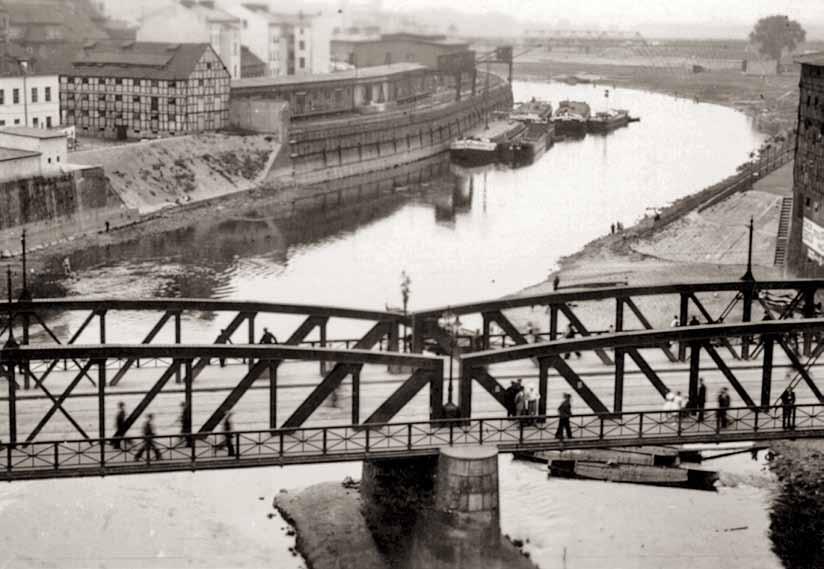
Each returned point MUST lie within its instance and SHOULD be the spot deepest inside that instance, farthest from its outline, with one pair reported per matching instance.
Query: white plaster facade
(196, 23)
(31, 100)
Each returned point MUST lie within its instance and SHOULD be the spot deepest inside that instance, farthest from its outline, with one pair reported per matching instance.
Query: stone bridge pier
(436, 511)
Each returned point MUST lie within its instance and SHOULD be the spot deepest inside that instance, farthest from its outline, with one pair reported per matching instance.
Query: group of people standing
(520, 401)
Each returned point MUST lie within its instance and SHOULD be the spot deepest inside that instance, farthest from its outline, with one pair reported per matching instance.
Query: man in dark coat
(701, 399)
(788, 409)
(268, 337)
(228, 435)
(148, 439)
(185, 425)
(120, 425)
(509, 397)
(564, 414)
(723, 405)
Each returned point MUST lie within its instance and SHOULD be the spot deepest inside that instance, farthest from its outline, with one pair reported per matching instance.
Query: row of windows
(35, 121)
(35, 95)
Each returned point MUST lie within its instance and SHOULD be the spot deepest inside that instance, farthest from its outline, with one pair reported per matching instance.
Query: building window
(301, 44)
(2, 122)
(49, 160)
(302, 63)
(49, 125)
(16, 121)
(209, 66)
(47, 94)
(2, 97)
(118, 97)
(15, 96)
(135, 99)
(34, 94)
(35, 122)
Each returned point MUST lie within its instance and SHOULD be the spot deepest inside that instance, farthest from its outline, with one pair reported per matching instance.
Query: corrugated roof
(362, 73)
(136, 60)
(32, 132)
(816, 58)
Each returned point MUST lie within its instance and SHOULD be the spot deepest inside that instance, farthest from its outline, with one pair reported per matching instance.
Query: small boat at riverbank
(606, 121)
(657, 466)
(538, 137)
(570, 120)
(484, 145)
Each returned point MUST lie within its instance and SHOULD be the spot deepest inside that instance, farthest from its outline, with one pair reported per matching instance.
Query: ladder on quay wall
(783, 231)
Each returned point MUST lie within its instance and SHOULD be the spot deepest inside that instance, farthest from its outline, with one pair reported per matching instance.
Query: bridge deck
(55, 459)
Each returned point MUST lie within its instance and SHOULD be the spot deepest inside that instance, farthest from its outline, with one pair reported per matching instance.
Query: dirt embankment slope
(152, 175)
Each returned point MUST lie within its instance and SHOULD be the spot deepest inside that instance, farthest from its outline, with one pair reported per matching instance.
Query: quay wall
(326, 150)
(54, 208)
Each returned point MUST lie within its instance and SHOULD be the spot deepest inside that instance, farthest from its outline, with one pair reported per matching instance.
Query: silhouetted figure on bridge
(520, 401)
(701, 399)
(788, 409)
(723, 404)
(148, 439)
(228, 436)
(564, 415)
(268, 337)
(509, 398)
(120, 425)
(694, 321)
(570, 333)
(556, 282)
(185, 421)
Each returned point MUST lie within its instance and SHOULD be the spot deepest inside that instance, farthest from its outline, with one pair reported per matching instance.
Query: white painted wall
(39, 114)
(53, 153)
(19, 168)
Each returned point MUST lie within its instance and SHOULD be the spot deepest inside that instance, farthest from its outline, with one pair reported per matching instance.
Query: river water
(472, 236)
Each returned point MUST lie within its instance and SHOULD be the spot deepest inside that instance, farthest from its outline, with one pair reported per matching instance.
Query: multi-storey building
(196, 22)
(145, 90)
(28, 97)
(807, 236)
(396, 48)
(289, 44)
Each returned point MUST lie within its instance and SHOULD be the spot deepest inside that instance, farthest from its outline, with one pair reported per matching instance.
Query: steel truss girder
(57, 404)
(334, 378)
(583, 331)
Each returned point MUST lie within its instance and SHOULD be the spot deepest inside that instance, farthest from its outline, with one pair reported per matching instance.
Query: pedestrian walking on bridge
(723, 404)
(148, 439)
(120, 426)
(788, 409)
(185, 421)
(228, 435)
(564, 415)
(268, 337)
(701, 399)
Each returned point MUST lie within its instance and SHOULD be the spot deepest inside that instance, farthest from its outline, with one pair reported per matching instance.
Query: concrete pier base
(437, 512)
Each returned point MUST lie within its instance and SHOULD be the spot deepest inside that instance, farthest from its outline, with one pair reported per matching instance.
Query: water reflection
(460, 235)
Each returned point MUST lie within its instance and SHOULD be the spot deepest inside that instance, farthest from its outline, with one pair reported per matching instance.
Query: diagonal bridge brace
(57, 405)
(147, 340)
(647, 326)
(579, 326)
(336, 376)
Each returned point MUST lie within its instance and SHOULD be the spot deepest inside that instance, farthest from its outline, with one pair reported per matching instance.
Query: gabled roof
(137, 60)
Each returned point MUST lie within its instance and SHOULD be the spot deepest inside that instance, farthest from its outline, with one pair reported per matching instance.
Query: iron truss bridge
(272, 447)
(744, 331)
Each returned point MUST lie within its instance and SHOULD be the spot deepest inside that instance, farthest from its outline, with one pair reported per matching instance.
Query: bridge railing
(244, 448)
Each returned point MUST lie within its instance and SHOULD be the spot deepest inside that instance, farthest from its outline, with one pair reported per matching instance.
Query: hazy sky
(625, 13)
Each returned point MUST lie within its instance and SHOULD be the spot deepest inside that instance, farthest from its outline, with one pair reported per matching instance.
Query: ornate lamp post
(405, 291)
(450, 322)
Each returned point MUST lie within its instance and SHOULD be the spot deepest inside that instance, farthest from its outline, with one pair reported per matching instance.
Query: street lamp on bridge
(405, 291)
(450, 322)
